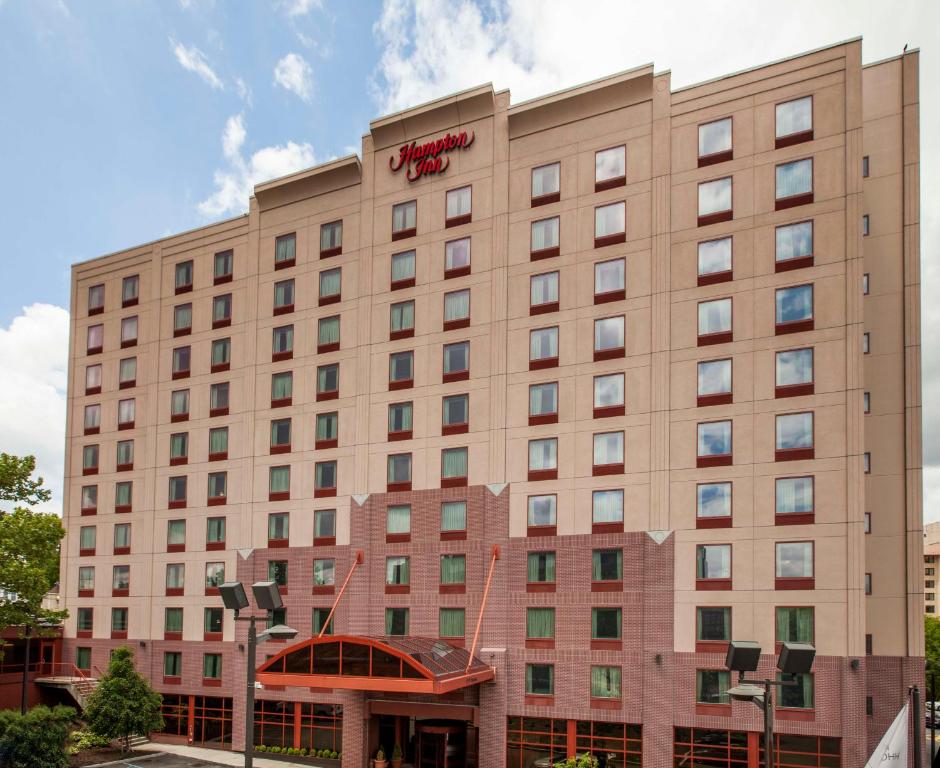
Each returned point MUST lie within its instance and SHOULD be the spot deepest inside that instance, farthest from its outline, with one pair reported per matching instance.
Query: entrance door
(441, 744)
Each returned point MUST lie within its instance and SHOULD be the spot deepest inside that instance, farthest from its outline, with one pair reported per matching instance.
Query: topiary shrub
(334, 754)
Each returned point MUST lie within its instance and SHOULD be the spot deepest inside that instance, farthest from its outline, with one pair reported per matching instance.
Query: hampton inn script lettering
(429, 158)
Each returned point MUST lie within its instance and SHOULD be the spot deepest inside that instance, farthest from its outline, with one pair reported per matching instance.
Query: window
(794, 308)
(713, 561)
(86, 579)
(866, 402)
(794, 372)
(711, 686)
(179, 405)
(123, 493)
(794, 562)
(540, 625)
(866, 343)
(608, 452)
(215, 574)
(605, 683)
(93, 379)
(866, 167)
(402, 319)
(397, 571)
(400, 369)
(610, 224)
(714, 382)
(283, 297)
(404, 219)
(543, 347)
(85, 619)
(610, 168)
(457, 361)
(540, 679)
(544, 238)
(795, 625)
(457, 309)
(546, 184)
(714, 201)
(222, 267)
(324, 478)
(324, 526)
(540, 568)
(130, 290)
(172, 664)
(83, 659)
(89, 499)
(122, 538)
(794, 183)
(278, 483)
(794, 121)
(399, 470)
(794, 496)
(218, 443)
(712, 625)
(543, 403)
(95, 339)
(607, 511)
(181, 362)
(457, 258)
(92, 419)
(866, 284)
(282, 343)
(713, 503)
(215, 532)
(331, 285)
(182, 319)
(714, 141)
(868, 526)
(285, 251)
(714, 261)
(794, 246)
(212, 665)
(868, 584)
(714, 321)
(453, 518)
(794, 436)
(127, 372)
(607, 565)
(455, 414)
(543, 293)
(128, 331)
(221, 355)
(175, 535)
(398, 522)
(320, 616)
(324, 572)
(218, 399)
(184, 276)
(606, 623)
(453, 466)
(403, 269)
(328, 334)
(396, 621)
(866, 225)
(95, 299)
(90, 460)
(126, 410)
(331, 239)
(327, 381)
(608, 338)
(866, 462)
(86, 538)
(609, 281)
(543, 458)
(400, 420)
(175, 578)
(120, 578)
(453, 569)
(542, 511)
(218, 482)
(458, 205)
(177, 491)
(125, 454)
(277, 569)
(714, 443)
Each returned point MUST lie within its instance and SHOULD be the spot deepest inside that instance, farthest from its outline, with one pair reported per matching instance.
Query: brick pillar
(658, 683)
(354, 733)
(492, 725)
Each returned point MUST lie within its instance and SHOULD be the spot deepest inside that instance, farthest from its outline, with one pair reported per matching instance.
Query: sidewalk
(216, 756)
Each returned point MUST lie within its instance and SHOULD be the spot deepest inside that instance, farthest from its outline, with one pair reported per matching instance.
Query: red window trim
(463, 375)
(452, 325)
(218, 456)
(455, 429)
(607, 585)
(177, 332)
(540, 586)
(717, 460)
(452, 589)
(607, 411)
(716, 218)
(183, 289)
(333, 346)
(278, 356)
(453, 535)
(544, 308)
(92, 430)
(278, 495)
(544, 253)
(121, 509)
(184, 374)
(122, 551)
(712, 585)
(454, 482)
(221, 279)
(397, 285)
(331, 394)
(720, 398)
(223, 411)
(93, 390)
(333, 298)
(795, 390)
(543, 418)
(457, 272)
(613, 353)
(712, 646)
(542, 530)
(177, 504)
(128, 343)
(543, 474)
(324, 541)
(540, 642)
(86, 593)
(712, 278)
(401, 384)
(456, 221)
(120, 592)
(551, 197)
(404, 434)
(96, 310)
(89, 471)
(613, 239)
(404, 333)
(321, 493)
(404, 485)
(323, 589)
(225, 322)
(609, 296)
(404, 234)
(599, 470)
(613, 183)
(543, 363)
(724, 521)
(397, 589)
(397, 538)
(614, 527)
(172, 635)
(89, 552)
(790, 139)
(716, 157)
(278, 544)
(782, 203)
(795, 454)
(125, 303)
(173, 591)
(275, 449)
(282, 402)
(539, 700)
(212, 546)
(326, 253)
(606, 645)
(93, 350)
(176, 547)
(166, 680)
(321, 444)
(177, 417)
(284, 309)
(119, 634)
(796, 583)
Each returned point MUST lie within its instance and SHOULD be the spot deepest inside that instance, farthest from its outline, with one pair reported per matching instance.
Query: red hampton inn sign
(427, 159)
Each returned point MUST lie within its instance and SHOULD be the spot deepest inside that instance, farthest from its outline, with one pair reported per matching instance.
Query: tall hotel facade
(569, 393)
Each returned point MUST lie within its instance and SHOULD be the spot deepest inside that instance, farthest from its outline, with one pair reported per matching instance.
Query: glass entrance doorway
(425, 742)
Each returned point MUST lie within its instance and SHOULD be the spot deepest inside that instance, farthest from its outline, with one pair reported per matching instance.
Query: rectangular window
(540, 624)
(93, 379)
(714, 382)
(712, 625)
(794, 121)
(711, 686)
(396, 621)
(84, 619)
(282, 388)
(320, 617)
(610, 224)
(607, 510)
(866, 167)
(331, 239)
(282, 342)
(795, 625)
(182, 319)
(540, 679)
(327, 381)
(794, 560)
(794, 183)
(126, 412)
(218, 482)
(397, 571)
(794, 372)
(543, 402)
(455, 413)
(90, 460)
(453, 517)
(868, 584)
(799, 696)
(543, 455)
(610, 168)
(218, 443)
(794, 246)
(283, 297)
(400, 369)
(179, 404)
(285, 251)
(122, 537)
(608, 450)
(605, 682)
(279, 481)
(222, 311)
(868, 524)
(123, 493)
(324, 478)
(458, 205)
(609, 395)
(714, 440)
(866, 284)
(715, 261)
(86, 538)
(95, 299)
(457, 258)
(453, 569)
(402, 319)
(175, 535)
(89, 498)
(866, 402)
(127, 372)
(398, 520)
(130, 290)
(119, 619)
(222, 267)
(403, 269)
(324, 526)
(128, 331)
(609, 280)
(714, 141)
(399, 469)
(608, 337)
(607, 565)
(125, 454)
(714, 201)
(713, 502)
(212, 666)
(177, 490)
(86, 578)
(400, 419)
(713, 561)
(866, 343)
(328, 333)
(95, 339)
(331, 285)
(175, 578)
(324, 572)
(215, 574)
(606, 623)
(181, 362)
(540, 568)
(404, 219)
(218, 399)
(456, 360)
(714, 321)
(794, 436)
(546, 184)
(543, 293)
(83, 659)
(277, 569)
(221, 354)
(866, 225)
(457, 309)
(542, 511)
(453, 466)
(92, 419)
(215, 530)
(172, 664)
(184, 276)
(543, 346)
(544, 238)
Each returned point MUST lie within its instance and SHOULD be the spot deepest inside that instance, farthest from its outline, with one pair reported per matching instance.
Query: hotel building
(567, 394)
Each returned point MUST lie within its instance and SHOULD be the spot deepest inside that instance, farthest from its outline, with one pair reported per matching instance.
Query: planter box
(320, 762)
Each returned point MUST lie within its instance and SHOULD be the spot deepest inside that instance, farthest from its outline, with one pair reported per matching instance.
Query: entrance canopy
(396, 664)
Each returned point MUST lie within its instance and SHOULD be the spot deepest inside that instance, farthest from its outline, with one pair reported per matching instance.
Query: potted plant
(396, 756)
(380, 761)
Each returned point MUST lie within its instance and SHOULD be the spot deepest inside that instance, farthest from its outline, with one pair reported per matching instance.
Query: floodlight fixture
(233, 595)
(743, 656)
(267, 595)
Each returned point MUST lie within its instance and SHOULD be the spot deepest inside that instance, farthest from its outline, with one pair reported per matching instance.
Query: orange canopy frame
(394, 664)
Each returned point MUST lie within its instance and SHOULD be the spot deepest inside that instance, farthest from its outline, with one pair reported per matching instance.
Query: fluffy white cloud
(300, 7)
(234, 185)
(34, 349)
(294, 73)
(194, 60)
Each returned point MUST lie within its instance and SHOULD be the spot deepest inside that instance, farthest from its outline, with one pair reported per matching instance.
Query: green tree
(29, 546)
(932, 650)
(36, 739)
(123, 704)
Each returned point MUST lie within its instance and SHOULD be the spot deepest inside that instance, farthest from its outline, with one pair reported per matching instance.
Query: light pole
(744, 656)
(267, 598)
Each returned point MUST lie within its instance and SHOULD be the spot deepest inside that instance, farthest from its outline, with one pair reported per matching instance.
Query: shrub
(36, 739)
(260, 748)
(587, 760)
(334, 754)
(82, 740)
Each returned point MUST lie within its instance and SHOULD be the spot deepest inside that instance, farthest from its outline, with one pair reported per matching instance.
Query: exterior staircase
(70, 679)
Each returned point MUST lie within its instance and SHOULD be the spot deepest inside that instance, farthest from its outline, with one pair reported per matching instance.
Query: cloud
(243, 90)
(34, 349)
(301, 7)
(194, 60)
(294, 73)
(235, 184)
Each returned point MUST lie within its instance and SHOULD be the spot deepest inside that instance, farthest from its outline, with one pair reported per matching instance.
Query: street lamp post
(267, 598)
(744, 656)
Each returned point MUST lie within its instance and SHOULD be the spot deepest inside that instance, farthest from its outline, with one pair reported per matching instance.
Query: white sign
(891, 751)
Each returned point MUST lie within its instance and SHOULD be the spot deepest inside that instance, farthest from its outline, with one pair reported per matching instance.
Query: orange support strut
(357, 562)
(486, 592)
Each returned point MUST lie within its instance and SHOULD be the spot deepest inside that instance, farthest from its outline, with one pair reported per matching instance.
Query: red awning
(395, 664)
